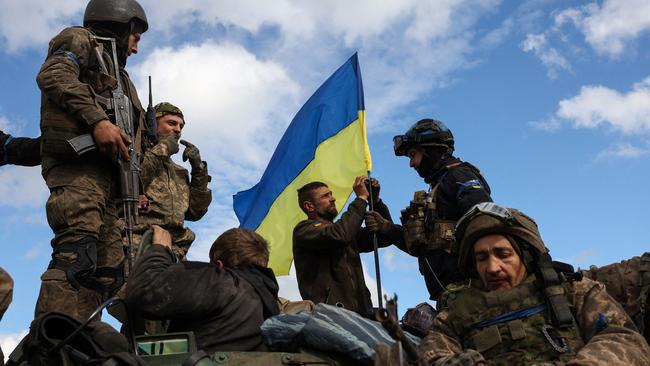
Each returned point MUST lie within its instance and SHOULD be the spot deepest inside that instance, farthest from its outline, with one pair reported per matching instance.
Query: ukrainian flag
(326, 141)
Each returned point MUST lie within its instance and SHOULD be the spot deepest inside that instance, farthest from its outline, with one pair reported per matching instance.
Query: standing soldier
(172, 196)
(429, 221)
(77, 81)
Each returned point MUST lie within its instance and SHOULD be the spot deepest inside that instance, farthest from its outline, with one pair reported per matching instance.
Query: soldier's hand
(414, 235)
(192, 154)
(111, 139)
(170, 142)
(375, 187)
(143, 204)
(360, 188)
(161, 236)
(376, 223)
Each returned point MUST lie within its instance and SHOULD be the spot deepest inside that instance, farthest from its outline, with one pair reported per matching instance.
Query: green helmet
(489, 218)
(425, 132)
(164, 108)
(119, 11)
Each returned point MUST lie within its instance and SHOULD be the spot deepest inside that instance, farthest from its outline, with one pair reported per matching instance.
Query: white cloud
(550, 57)
(623, 151)
(24, 186)
(235, 104)
(32, 23)
(9, 341)
(597, 106)
(611, 27)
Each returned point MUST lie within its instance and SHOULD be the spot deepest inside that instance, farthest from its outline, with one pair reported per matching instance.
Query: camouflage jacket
(173, 196)
(628, 282)
(73, 89)
(608, 334)
(6, 291)
(326, 256)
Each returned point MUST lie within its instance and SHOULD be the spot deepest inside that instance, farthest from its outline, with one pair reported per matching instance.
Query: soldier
(23, 151)
(516, 308)
(223, 302)
(455, 186)
(6, 293)
(172, 196)
(326, 253)
(76, 80)
(629, 283)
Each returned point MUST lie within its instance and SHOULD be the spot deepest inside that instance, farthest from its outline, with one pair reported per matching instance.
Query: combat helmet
(425, 132)
(119, 11)
(489, 218)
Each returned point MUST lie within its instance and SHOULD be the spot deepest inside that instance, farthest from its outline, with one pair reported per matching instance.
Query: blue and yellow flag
(326, 141)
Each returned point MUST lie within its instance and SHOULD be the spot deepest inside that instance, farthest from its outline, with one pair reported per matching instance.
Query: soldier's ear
(308, 206)
(218, 263)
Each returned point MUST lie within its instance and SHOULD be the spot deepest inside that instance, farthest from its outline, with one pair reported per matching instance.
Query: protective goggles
(485, 208)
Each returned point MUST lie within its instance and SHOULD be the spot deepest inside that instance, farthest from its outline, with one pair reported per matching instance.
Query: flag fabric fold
(325, 141)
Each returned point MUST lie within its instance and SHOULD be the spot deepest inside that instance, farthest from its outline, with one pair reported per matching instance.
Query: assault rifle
(119, 110)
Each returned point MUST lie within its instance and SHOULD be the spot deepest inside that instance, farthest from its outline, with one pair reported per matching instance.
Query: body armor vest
(509, 327)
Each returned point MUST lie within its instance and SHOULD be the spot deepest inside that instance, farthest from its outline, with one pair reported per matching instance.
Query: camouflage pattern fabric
(83, 189)
(628, 282)
(609, 335)
(465, 358)
(292, 307)
(6, 292)
(173, 197)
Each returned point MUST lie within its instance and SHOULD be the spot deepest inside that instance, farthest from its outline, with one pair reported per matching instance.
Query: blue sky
(550, 99)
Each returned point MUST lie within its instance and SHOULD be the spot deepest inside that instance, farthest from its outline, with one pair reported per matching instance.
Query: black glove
(192, 154)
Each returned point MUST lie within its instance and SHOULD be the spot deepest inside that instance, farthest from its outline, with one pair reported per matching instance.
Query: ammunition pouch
(423, 232)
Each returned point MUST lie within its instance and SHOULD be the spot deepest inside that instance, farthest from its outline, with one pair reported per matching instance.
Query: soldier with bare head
(83, 69)
(519, 307)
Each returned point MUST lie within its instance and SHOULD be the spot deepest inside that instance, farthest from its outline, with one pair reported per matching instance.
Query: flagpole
(376, 248)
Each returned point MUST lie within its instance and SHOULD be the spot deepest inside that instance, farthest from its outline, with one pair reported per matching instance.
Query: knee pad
(80, 272)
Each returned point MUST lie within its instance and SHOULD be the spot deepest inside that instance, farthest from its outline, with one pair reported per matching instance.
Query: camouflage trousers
(81, 209)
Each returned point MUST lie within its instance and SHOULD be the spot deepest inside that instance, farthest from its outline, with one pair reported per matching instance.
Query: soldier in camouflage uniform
(23, 151)
(629, 283)
(518, 309)
(172, 196)
(455, 186)
(6, 292)
(76, 80)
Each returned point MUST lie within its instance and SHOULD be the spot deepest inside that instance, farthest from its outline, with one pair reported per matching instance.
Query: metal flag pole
(371, 204)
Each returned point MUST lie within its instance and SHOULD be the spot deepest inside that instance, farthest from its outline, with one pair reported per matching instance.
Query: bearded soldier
(455, 186)
(79, 85)
(518, 307)
(171, 195)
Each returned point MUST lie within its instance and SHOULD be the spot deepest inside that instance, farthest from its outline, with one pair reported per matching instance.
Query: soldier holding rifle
(88, 100)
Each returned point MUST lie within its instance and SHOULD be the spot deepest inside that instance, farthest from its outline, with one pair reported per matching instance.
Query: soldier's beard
(329, 213)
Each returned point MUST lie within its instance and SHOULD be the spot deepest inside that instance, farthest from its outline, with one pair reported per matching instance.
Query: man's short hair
(306, 192)
(239, 247)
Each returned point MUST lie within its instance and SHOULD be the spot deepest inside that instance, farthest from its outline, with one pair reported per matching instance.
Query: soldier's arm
(610, 335)
(200, 194)
(158, 287)
(441, 340)
(323, 237)
(24, 151)
(6, 291)
(468, 188)
(69, 54)
(394, 236)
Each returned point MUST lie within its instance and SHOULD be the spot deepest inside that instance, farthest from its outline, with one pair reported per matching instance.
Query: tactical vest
(439, 233)
(57, 124)
(509, 327)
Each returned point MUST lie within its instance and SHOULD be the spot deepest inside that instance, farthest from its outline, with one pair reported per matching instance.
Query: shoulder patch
(318, 224)
(472, 184)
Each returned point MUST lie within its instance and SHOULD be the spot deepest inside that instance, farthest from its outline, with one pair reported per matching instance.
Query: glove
(468, 357)
(414, 235)
(376, 223)
(170, 143)
(192, 154)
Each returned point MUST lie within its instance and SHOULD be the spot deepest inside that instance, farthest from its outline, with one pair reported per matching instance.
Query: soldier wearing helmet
(518, 307)
(455, 186)
(83, 67)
